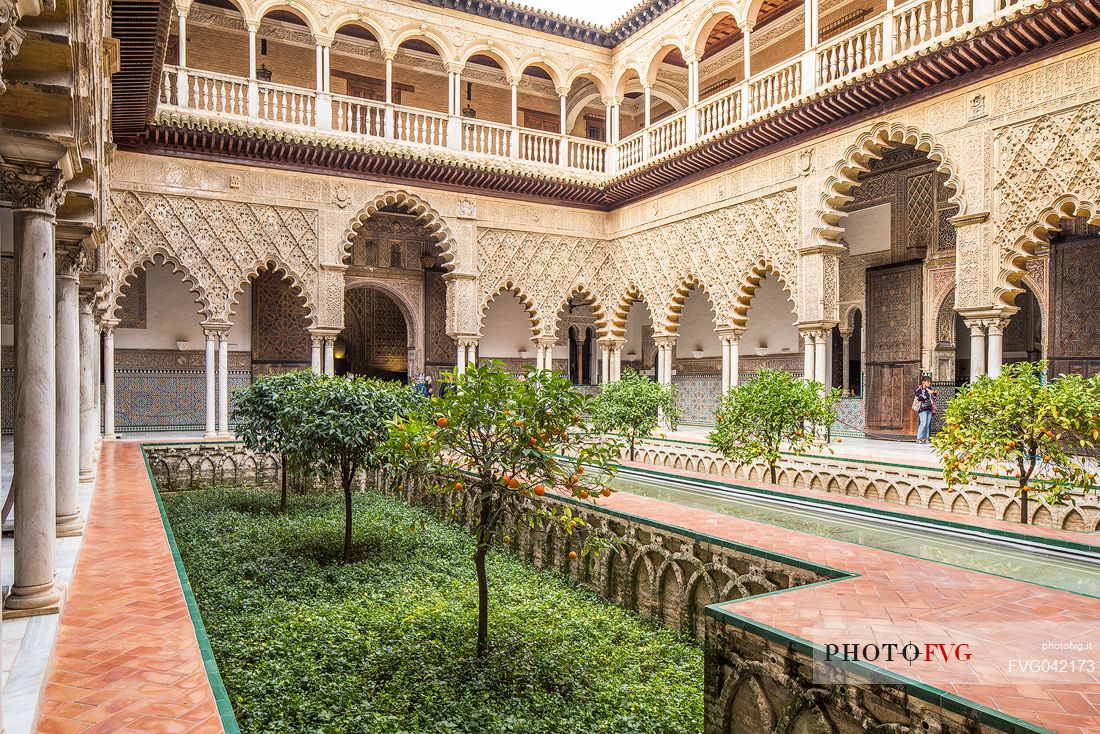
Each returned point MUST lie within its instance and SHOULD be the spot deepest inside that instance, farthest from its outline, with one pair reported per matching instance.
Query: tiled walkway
(900, 599)
(126, 658)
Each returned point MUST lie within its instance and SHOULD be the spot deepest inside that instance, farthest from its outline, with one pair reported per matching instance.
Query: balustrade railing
(667, 134)
(486, 138)
(418, 126)
(289, 105)
(586, 155)
(776, 87)
(720, 112)
(355, 115)
(918, 23)
(859, 50)
(539, 147)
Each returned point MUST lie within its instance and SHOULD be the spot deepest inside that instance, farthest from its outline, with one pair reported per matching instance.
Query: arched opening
(639, 350)
(586, 116)
(280, 328)
(578, 322)
(160, 367)
(232, 45)
(697, 362)
(394, 247)
(719, 38)
(375, 341)
(771, 339)
(506, 332)
(1023, 336)
(539, 107)
(416, 75)
(898, 271)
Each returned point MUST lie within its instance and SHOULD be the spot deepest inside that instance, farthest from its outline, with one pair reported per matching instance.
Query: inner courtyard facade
(199, 193)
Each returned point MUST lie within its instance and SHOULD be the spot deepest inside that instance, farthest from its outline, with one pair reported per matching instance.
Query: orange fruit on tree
(519, 424)
(513, 483)
(574, 479)
(441, 421)
(606, 492)
(572, 555)
(584, 494)
(459, 486)
(580, 470)
(539, 490)
(532, 441)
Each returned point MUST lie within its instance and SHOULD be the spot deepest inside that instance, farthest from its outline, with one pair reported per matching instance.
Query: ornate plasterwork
(216, 244)
(870, 146)
(435, 226)
(1045, 170)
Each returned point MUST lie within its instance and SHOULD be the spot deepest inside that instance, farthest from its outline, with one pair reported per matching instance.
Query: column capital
(454, 67)
(253, 26)
(665, 341)
(562, 91)
(322, 41)
(846, 333)
(70, 260)
(183, 8)
(215, 328)
(108, 326)
(545, 341)
(468, 341)
(746, 25)
(389, 54)
(611, 101)
(731, 334)
(513, 81)
(33, 188)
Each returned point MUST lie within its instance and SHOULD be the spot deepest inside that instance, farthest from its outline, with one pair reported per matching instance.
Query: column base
(87, 476)
(33, 601)
(69, 526)
(109, 436)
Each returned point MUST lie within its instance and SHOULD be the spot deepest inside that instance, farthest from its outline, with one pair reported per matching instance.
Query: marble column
(211, 382)
(67, 374)
(330, 355)
(108, 328)
(223, 383)
(821, 366)
(315, 354)
(977, 349)
(725, 363)
(89, 386)
(471, 352)
(995, 345)
(808, 356)
(460, 358)
(617, 362)
(735, 361)
(35, 194)
(845, 356)
(605, 364)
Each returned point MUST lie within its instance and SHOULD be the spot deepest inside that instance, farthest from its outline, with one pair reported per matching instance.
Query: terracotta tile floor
(900, 599)
(126, 658)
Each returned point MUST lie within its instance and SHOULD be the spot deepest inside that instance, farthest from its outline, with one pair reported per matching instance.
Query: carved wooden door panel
(1074, 340)
(893, 347)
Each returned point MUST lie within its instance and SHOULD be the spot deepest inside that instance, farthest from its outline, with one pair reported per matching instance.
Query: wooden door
(893, 348)
(1073, 342)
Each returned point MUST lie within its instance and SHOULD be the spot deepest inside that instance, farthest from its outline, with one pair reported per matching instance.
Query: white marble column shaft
(223, 383)
(995, 345)
(977, 349)
(211, 383)
(330, 355)
(109, 379)
(67, 374)
(89, 387)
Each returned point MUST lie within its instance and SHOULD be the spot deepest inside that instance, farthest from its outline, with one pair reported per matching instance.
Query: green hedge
(386, 644)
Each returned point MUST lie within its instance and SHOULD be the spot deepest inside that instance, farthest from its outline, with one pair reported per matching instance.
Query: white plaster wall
(696, 331)
(771, 321)
(505, 330)
(171, 315)
(639, 323)
(867, 230)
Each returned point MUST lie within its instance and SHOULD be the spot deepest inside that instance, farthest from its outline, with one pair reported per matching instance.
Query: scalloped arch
(509, 286)
(869, 146)
(165, 258)
(684, 288)
(273, 264)
(413, 204)
(623, 307)
(1049, 221)
(603, 324)
(748, 286)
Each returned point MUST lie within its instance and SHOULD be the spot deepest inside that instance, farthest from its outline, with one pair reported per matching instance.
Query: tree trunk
(1023, 506)
(282, 470)
(482, 599)
(347, 520)
(772, 468)
(632, 448)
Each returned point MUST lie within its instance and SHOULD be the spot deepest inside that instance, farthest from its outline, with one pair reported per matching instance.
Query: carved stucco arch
(309, 15)
(623, 307)
(655, 55)
(943, 304)
(363, 21)
(1013, 266)
(704, 24)
(414, 325)
(601, 82)
(157, 256)
(425, 215)
(848, 312)
(274, 264)
(869, 146)
(429, 36)
(750, 282)
(557, 76)
(685, 287)
(534, 318)
(603, 324)
(489, 49)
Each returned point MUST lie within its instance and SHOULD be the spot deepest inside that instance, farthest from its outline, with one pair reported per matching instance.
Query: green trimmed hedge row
(386, 644)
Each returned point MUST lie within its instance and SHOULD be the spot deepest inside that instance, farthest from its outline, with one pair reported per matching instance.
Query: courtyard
(416, 366)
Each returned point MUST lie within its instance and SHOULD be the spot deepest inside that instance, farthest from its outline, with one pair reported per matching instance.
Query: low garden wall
(756, 681)
(914, 486)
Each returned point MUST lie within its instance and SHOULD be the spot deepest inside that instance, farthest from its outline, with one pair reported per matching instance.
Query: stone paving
(126, 659)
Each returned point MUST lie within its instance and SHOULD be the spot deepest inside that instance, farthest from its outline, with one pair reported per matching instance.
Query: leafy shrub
(384, 644)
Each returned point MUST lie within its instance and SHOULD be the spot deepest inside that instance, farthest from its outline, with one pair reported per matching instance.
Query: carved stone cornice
(33, 188)
(11, 36)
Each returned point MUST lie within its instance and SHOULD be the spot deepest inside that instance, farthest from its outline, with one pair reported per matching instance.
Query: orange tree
(633, 406)
(1039, 432)
(774, 409)
(498, 444)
